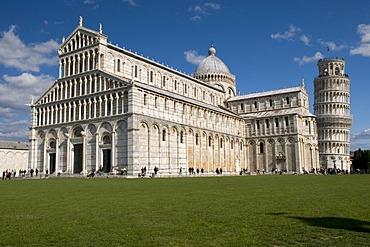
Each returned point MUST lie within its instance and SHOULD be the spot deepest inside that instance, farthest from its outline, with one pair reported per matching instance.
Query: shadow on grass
(332, 222)
(336, 223)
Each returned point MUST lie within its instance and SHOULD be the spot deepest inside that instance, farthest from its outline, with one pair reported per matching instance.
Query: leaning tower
(332, 108)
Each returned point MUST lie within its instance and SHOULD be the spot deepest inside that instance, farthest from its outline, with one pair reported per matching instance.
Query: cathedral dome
(211, 64)
(212, 69)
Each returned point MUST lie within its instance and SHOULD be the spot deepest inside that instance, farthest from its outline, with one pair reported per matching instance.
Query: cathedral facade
(112, 109)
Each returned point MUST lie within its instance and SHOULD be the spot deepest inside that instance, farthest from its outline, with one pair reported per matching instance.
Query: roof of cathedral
(186, 99)
(14, 145)
(267, 93)
(212, 64)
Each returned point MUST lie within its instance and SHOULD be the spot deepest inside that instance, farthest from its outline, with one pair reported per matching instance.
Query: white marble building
(113, 108)
(332, 108)
(13, 156)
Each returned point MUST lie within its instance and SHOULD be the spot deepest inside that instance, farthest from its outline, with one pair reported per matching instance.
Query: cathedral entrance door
(77, 161)
(107, 160)
(52, 163)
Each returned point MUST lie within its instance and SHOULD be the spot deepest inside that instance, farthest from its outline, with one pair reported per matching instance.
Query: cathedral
(112, 110)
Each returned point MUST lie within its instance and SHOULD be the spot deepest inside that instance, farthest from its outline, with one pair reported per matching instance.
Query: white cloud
(130, 2)
(331, 45)
(364, 31)
(360, 140)
(305, 39)
(196, 18)
(14, 130)
(362, 135)
(203, 9)
(17, 91)
(288, 34)
(14, 53)
(198, 8)
(292, 35)
(364, 47)
(214, 6)
(305, 59)
(193, 57)
(92, 3)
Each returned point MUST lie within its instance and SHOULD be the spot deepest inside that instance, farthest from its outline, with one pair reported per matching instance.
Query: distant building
(111, 109)
(332, 108)
(13, 155)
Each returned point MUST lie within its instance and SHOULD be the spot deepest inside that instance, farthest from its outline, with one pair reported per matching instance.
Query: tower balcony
(335, 120)
(324, 76)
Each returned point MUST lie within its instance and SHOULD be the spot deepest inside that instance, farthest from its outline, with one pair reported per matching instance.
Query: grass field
(269, 210)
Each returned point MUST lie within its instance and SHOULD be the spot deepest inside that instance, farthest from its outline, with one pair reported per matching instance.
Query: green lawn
(269, 210)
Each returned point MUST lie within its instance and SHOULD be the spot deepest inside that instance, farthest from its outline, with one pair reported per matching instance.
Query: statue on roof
(80, 24)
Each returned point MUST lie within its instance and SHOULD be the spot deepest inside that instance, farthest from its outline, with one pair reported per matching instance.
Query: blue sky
(266, 44)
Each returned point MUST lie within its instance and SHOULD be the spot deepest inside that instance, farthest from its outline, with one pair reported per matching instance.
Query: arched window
(181, 137)
(221, 143)
(337, 70)
(151, 76)
(261, 147)
(118, 65)
(163, 135)
(135, 71)
(106, 139)
(209, 141)
(196, 139)
(77, 133)
(52, 144)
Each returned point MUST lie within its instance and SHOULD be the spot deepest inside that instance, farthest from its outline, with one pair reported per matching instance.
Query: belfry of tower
(332, 108)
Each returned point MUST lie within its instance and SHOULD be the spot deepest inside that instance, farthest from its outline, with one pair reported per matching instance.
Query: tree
(361, 159)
